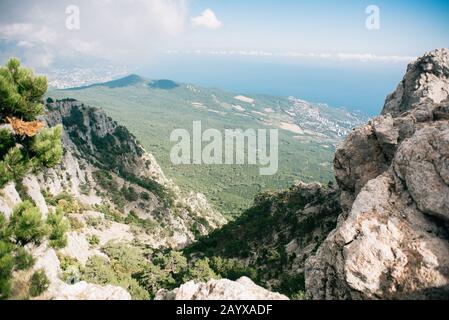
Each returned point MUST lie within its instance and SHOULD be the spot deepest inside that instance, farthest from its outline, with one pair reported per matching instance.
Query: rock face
(392, 241)
(242, 289)
(85, 291)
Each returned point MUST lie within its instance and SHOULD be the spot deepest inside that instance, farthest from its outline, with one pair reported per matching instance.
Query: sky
(323, 50)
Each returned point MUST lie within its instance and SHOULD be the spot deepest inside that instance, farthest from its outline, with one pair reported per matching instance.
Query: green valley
(152, 109)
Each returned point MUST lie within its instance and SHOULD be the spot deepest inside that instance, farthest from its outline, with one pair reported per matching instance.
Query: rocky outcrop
(392, 240)
(242, 289)
(104, 168)
(426, 80)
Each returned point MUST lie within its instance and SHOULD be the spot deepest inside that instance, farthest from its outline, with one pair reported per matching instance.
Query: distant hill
(152, 109)
(119, 83)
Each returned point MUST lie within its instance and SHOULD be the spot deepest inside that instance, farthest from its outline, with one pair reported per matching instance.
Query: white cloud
(364, 57)
(126, 30)
(28, 32)
(207, 19)
(373, 57)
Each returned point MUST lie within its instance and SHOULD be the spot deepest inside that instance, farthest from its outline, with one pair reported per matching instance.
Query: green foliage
(292, 284)
(14, 165)
(6, 267)
(21, 93)
(130, 194)
(100, 271)
(12, 257)
(233, 269)
(23, 259)
(75, 223)
(254, 245)
(26, 224)
(201, 271)
(39, 283)
(64, 201)
(47, 147)
(93, 240)
(145, 196)
(300, 295)
(6, 142)
(153, 278)
(75, 119)
(71, 269)
(59, 225)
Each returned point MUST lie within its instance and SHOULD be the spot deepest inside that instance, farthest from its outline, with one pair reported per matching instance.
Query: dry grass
(25, 128)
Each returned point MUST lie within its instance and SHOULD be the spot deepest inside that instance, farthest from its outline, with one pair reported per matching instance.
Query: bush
(21, 94)
(39, 283)
(71, 269)
(93, 240)
(6, 267)
(26, 223)
(64, 201)
(58, 225)
(233, 269)
(47, 147)
(75, 223)
(145, 196)
(23, 259)
(6, 142)
(130, 194)
(200, 272)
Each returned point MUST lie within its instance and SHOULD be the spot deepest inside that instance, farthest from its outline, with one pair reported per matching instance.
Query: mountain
(382, 233)
(152, 109)
(111, 191)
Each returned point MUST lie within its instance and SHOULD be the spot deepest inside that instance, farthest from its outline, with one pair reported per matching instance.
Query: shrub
(21, 93)
(26, 223)
(6, 142)
(58, 226)
(39, 283)
(93, 240)
(71, 269)
(98, 270)
(75, 223)
(23, 259)
(145, 196)
(232, 269)
(200, 271)
(6, 267)
(47, 147)
(130, 194)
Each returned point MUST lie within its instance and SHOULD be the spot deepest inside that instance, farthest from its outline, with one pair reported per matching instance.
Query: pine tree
(24, 144)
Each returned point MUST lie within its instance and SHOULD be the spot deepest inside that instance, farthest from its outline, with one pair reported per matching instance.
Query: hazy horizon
(349, 54)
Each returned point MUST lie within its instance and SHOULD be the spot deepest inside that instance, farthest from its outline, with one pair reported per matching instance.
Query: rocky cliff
(392, 240)
(110, 189)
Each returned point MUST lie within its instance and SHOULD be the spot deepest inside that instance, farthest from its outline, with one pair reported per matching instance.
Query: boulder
(242, 289)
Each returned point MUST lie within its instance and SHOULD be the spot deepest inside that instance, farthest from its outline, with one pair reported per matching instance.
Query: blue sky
(319, 50)
(407, 27)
